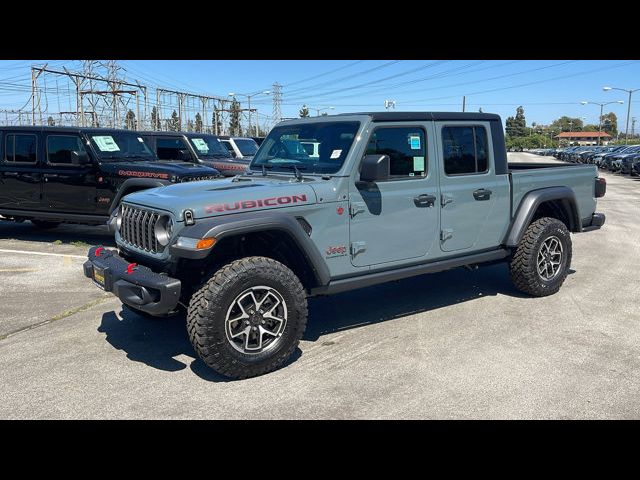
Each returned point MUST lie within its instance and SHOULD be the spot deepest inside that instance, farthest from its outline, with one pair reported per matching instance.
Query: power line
(313, 77)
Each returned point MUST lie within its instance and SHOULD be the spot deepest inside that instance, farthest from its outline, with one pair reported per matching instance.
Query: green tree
(130, 120)
(216, 121)
(155, 119)
(516, 126)
(304, 111)
(234, 118)
(610, 123)
(174, 123)
(50, 121)
(568, 124)
(590, 128)
(199, 127)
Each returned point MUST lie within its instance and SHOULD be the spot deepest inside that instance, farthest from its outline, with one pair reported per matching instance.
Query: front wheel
(542, 259)
(248, 318)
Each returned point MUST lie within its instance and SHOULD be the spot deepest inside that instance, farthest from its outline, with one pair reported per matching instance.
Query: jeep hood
(162, 169)
(223, 197)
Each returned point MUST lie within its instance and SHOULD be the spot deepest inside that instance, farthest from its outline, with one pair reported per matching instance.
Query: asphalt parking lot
(457, 344)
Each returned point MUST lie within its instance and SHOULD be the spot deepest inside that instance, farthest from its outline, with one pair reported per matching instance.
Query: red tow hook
(99, 251)
(131, 268)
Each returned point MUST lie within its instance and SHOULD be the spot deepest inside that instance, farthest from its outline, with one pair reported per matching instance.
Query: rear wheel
(248, 318)
(44, 224)
(542, 259)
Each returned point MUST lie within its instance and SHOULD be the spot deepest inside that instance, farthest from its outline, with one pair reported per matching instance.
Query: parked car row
(615, 158)
(50, 175)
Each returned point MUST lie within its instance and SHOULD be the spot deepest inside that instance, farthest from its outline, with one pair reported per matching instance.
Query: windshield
(116, 146)
(209, 146)
(248, 147)
(313, 147)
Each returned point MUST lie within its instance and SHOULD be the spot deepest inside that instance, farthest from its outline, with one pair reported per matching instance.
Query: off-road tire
(44, 224)
(206, 316)
(523, 267)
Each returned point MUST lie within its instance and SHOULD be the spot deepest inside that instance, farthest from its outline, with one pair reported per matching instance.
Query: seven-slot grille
(137, 228)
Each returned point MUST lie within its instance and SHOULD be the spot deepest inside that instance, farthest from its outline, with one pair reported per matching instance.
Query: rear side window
(20, 148)
(405, 147)
(171, 148)
(465, 150)
(59, 148)
(227, 144)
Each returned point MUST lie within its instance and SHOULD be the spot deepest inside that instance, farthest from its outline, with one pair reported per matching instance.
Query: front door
(20, 172)
(396, 220)
(68, 187)
(474, 199)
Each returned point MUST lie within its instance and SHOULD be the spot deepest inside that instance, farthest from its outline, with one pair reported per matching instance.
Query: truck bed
(526, 177)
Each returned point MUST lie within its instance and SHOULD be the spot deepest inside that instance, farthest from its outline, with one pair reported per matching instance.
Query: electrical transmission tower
(277, 102)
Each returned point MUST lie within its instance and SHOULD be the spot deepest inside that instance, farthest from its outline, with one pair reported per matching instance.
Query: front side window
(114, 146)
(59, 148)
(171, 148)
(465, 150)
(287, 146)
(406, 148)
(21, 148)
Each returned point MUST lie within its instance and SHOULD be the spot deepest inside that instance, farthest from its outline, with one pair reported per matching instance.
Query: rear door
(20, 171)
(474, 201)
(68, 187)
(396, 220)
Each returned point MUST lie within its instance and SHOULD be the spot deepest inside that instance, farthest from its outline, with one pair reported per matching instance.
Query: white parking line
(25, 252)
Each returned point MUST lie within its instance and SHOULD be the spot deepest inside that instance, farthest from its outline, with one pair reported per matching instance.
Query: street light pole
(318, 110)
(600, 118)
(630, 92)
(266, 92)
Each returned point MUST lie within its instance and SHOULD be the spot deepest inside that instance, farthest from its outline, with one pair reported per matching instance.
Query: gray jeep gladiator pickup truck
(388, 196)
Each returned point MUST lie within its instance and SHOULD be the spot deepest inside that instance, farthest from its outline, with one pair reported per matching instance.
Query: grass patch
(79, 243)
(58, 242)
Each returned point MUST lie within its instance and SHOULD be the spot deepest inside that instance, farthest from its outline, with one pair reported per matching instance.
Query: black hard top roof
(62, 128)
(420, 116)
(155, 133)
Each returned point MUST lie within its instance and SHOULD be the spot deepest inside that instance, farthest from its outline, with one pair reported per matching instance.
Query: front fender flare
(131, 184)
(230, 225)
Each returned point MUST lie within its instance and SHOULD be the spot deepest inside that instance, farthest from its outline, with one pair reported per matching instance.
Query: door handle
(424, 200)
(10, 174)
(482, 194)
(50, 175)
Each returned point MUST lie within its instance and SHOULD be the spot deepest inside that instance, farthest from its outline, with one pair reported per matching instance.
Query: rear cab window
(465, 150)
(21, 148)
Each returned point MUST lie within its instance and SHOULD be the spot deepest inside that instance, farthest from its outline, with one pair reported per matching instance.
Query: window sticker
(336, 154)
(106, 143)
(418, 164)
(140, 140)
(414, 141)
(200, 144)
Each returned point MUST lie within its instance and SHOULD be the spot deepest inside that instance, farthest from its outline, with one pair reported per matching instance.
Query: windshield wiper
(296, 170)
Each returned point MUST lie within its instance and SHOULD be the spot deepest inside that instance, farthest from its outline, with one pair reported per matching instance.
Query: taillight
(601, 187)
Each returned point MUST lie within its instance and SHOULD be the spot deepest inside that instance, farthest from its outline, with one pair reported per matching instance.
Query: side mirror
(374, 168)
(79, 158)
(184, 155)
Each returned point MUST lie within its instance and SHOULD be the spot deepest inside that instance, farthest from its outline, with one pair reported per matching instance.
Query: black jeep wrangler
(51, 175)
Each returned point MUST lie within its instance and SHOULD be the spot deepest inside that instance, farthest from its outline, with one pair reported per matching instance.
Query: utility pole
(464, 102)
(35, 73)
(633, 126)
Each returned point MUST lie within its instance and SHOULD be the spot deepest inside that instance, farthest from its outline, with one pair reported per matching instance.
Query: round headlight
(163, 230)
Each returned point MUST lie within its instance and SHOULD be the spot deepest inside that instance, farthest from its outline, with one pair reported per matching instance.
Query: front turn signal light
(205, 243)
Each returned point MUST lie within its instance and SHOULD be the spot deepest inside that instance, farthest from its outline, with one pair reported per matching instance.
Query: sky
(547, 89)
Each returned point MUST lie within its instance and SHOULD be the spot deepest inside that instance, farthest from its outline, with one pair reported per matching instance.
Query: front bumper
(135, 285)
(595, 222)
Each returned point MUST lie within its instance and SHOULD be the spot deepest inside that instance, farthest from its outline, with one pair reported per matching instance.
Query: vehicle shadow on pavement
(154, 342)
(409, 296)
(66, 234)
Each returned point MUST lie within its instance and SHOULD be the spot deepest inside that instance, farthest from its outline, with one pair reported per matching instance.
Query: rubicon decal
(248, 204)
(131, 173)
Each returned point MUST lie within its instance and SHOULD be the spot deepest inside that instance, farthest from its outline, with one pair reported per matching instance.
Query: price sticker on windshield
(200, 144)
(336, 154)
(106, 143)
(414, 141)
